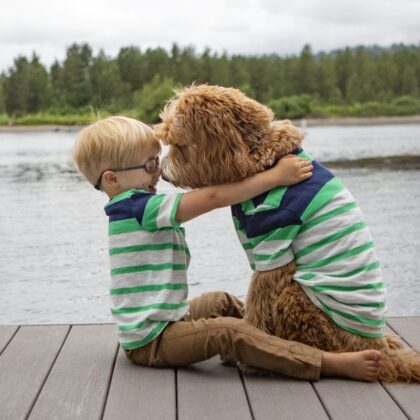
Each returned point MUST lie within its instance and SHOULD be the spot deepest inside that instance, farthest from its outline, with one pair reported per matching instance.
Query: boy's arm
(288, 171)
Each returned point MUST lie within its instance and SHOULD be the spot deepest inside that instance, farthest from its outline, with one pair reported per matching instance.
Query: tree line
(138, 82)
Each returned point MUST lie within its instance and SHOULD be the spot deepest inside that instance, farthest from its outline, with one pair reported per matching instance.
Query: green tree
(58, 97)
(150, 100)
(17, 87)
(76, 82)
(39, 96)
(362, 84)
(105, 79)
(132, 67)
(2, 95)
(327, 81)
(260, 77)
(409, 82)
(387, 77)
(157, 62)
(187, 66)
(238, 72)
(344, 70)
(306, 71)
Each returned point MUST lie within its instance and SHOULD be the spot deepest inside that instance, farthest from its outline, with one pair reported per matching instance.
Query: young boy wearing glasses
(157, 326)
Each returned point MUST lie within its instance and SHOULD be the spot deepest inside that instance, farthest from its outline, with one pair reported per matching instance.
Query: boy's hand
(288, 171)
(292, 169)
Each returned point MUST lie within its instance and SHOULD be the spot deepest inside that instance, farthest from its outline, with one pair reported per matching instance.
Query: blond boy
(156, 324)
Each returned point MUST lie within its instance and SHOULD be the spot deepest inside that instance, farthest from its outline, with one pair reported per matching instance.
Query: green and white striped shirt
(149, 260)
(319, 224)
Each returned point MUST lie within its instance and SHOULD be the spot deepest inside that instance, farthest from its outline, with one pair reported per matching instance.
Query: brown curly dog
(316, 278)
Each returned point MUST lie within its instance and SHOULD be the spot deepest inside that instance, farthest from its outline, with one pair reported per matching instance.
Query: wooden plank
(276, 397)
(408, 329)
(140, 392)
(78, 383)
(346, 399)
(407, 396)
(210, 390)
(6, 334)
(24, 365)
(362, 400)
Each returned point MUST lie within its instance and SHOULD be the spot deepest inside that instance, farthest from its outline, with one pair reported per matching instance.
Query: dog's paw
(393, 342)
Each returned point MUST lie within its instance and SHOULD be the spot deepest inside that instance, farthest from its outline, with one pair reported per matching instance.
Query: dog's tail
(402, 365)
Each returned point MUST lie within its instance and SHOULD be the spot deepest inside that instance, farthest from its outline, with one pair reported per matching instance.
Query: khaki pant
(214, 326)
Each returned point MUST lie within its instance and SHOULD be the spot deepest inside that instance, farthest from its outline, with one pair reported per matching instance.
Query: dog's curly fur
(218, 135)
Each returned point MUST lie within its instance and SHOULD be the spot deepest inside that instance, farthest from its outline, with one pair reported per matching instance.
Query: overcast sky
(234, 26)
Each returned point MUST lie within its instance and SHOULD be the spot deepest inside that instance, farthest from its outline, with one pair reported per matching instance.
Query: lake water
(53, 231)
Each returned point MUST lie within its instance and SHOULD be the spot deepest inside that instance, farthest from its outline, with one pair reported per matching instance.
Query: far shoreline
(303, 123)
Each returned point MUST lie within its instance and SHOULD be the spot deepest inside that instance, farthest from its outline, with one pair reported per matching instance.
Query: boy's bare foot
(361, 365)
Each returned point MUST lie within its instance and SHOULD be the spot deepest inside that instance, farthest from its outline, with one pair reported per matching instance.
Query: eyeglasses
(151, 166)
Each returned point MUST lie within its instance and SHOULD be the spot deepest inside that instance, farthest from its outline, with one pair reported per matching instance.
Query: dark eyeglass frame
(146, 166)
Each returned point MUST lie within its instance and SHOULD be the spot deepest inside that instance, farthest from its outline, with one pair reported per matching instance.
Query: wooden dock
(78, 372)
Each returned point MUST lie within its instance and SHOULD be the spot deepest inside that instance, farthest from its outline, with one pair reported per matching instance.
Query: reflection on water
(53, 239)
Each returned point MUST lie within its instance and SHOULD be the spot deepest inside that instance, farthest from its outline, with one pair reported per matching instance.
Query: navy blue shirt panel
(139, 201)
(298, 196)
(128, 208)
(294, 202)
(266, 221)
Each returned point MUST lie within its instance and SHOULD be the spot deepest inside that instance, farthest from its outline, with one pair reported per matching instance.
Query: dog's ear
(168, 129)
(282, 138)
(227, 109)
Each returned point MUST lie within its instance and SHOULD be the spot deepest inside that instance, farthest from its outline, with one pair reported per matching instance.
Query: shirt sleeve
(269, 235)
(159, 211)
(274, 249)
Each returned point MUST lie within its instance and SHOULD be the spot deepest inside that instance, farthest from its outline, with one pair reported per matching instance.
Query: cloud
(246, 26)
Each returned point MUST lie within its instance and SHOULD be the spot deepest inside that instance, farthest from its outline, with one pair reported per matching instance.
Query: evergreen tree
(17, 87)
(238, 72)
(326, 80)
(343, 70)
(39, 96)
(2, 96)
(76, 82)
(58, 98)
(132, 67)
(105, 79)
(187, 66)
(387, 77)
(366, 75)
(409, 82)
(157, 63)
(306, 71)
(221, 70)
(259, 75)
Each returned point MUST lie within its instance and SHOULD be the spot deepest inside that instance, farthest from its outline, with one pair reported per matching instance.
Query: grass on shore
(293, 107)
(45, 118)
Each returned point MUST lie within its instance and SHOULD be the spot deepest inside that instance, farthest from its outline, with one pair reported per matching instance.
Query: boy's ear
(109, 178)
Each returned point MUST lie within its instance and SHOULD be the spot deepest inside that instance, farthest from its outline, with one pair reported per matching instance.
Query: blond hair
(112, 143)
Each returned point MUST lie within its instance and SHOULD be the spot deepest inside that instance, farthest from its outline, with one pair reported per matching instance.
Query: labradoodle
(316, 275)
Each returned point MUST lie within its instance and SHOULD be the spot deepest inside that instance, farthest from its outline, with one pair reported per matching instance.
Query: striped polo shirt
(318, 223)
(149, 260)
